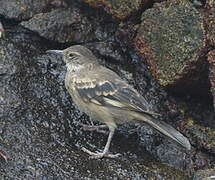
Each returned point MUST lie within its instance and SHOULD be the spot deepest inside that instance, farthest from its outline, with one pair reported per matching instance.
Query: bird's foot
(94, 128)
(99, 155)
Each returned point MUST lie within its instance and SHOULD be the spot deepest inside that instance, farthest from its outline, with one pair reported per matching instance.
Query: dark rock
(118, 8)
(202, 137)
(108, 50)
(23, 9)
(62, 25)
(163, 149)
(209, 21)
(158, 1)
(206, 174)
(174, 46)
(211, 60)
(125, 35)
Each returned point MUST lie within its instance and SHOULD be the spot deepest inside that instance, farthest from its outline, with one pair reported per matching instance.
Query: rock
(126, 34)
(108, 51)
(211, 60)
(118, 8)
(209, 20)
(202, 137)
(206, 174)
(22, 9)
(62, 25)
(173, 46)
(158, 1)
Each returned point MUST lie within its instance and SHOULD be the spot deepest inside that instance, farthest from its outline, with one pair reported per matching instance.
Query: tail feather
(167, 130)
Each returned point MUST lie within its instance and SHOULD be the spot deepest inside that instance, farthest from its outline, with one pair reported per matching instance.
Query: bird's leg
(3, 156)
(105, 152)
(98, 128)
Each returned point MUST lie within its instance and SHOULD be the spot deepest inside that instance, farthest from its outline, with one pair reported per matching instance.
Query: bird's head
(75, 56)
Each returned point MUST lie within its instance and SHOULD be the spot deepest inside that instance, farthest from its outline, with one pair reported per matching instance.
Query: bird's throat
(74, 67)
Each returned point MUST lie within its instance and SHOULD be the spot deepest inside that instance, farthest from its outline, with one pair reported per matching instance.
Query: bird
(104, 96)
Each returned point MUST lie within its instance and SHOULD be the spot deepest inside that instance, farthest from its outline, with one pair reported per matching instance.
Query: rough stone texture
(203, 137)
(23, 9)
(210, 22)
(207, 174)
(118, 8)
(173, 45)
(39, 131)
(62, 25)
(211, 60)
(107, 50)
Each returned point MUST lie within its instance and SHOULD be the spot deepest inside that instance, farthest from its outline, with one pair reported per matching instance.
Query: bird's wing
(110, 90)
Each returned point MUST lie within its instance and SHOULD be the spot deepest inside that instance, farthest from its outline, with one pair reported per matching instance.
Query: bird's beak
(55, 52)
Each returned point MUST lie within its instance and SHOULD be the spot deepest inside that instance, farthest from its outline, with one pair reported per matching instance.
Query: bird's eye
(71, 55)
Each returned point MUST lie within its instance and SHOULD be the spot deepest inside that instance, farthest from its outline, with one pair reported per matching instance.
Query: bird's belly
(96, 112)
(104, 114)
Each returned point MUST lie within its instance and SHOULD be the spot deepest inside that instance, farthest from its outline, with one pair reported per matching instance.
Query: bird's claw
(99, 155)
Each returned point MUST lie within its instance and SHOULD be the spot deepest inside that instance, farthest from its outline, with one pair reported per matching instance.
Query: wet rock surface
(173, 45)
(40, 132)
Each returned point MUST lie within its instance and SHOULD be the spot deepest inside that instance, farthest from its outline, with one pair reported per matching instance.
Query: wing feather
(114, 95)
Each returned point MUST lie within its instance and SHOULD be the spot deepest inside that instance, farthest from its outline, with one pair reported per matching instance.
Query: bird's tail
(165, 129)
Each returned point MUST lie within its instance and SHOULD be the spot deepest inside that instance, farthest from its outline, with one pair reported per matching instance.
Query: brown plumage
(105, 97)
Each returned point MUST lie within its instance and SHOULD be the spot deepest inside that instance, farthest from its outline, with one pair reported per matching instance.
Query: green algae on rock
(171, 39)
(209, 20)
(202, 137)
(211, 60)
(118, 8)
